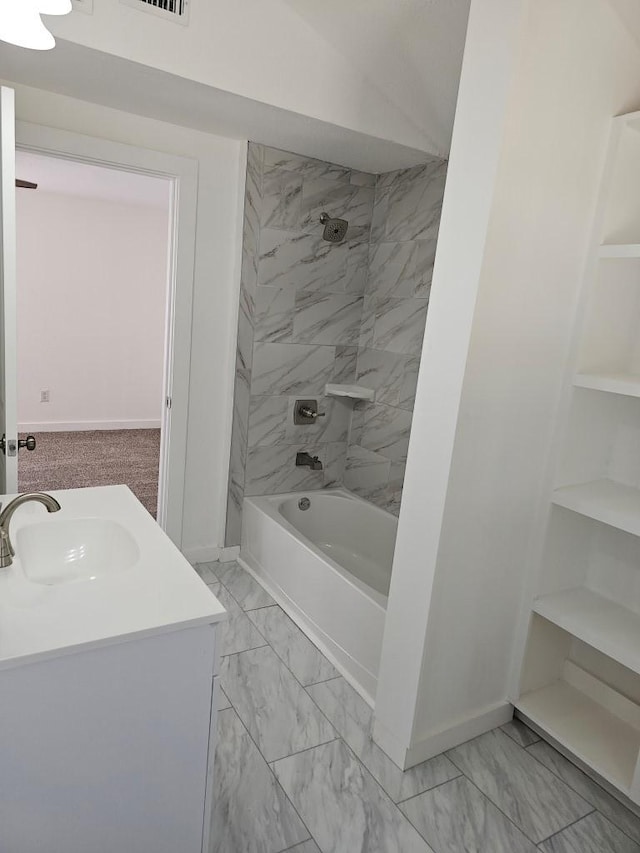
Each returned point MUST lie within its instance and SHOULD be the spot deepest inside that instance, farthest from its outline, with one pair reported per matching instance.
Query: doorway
(182, 175)
(92, 283)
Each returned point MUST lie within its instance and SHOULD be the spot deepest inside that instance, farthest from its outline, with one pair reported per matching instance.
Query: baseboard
(202, 554)
(228, 555)
(440, 741)
(82, 426)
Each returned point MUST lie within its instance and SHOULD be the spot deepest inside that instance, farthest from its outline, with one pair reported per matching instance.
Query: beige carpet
(74, 460)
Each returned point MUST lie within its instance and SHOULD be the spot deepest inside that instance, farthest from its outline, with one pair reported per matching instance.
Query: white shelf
(594, 735)
(354, 392)
(612, 629)
(604, 500)
(627, 384)
(619, 250)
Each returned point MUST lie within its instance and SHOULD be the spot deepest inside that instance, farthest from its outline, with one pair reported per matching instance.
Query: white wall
(216, 281)
(576, 68)
(92, 284)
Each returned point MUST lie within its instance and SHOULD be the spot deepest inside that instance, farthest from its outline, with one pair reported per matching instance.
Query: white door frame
(183, 173)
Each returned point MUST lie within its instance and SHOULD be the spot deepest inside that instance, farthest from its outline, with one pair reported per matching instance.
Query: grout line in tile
(384, 793)
(261, 607)
(277, 781)
(582, 795)
(564, 828)
(506, 816)
(253, 648)
(279, 656)
(306, 749)
(300, 843)
(302, 687)
(324, 680)
(333, 728)
(433, 788)
(338, 737)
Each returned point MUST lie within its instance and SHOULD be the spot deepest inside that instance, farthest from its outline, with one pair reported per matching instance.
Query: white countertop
(160, 593)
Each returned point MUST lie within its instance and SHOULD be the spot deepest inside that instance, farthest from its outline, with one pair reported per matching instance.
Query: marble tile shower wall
(404, 232)
(301, 305)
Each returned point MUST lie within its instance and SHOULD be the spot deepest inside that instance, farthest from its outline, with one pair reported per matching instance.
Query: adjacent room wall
(92, 285)
(215, 307)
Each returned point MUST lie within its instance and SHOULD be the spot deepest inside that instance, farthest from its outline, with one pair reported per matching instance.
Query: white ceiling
(410, 50)
(123, 85)
(54, 175)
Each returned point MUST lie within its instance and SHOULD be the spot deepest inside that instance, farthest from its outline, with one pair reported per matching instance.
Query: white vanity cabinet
(109, 749)
(107, 723)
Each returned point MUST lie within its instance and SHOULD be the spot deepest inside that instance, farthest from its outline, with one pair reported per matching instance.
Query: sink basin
(55, 552)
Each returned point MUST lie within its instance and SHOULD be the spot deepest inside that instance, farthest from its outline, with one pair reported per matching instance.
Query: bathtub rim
(269, 505)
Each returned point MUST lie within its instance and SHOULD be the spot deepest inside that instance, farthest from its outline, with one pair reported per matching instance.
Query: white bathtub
(329, 567)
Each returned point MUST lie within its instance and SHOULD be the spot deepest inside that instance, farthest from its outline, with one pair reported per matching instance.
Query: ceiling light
(53, 7)
(20, 24)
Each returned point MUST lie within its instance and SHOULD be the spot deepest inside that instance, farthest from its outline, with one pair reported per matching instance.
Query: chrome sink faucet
(6, 548)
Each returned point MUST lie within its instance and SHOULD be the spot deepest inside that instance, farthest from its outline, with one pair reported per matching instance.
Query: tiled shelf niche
(580, 678)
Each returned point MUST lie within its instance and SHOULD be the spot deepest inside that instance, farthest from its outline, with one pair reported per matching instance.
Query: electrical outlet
(85, 6)
(44, 396)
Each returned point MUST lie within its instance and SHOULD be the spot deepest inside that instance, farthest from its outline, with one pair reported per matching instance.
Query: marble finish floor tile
(458, 818)
(243, 587)
(592, 834)
(353, 720)
(589, 790)
(279, 715)
(207, 572)
(525, 791)
(341, 804)
(237, 634)
(520, 733)
(251, 812)
(287, 640)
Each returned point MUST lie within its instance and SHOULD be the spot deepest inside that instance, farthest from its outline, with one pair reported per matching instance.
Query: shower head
(335, 230)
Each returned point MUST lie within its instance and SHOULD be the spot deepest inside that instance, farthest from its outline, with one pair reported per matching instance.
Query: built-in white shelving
(608, 627)
(614, 383)
(591, 732)
(580, 677)
(604, 500)
(619, 250)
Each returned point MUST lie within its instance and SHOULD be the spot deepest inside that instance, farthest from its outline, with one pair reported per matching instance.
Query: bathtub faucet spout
(306, 459)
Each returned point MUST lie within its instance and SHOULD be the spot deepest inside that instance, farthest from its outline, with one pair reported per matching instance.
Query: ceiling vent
(170, 10)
